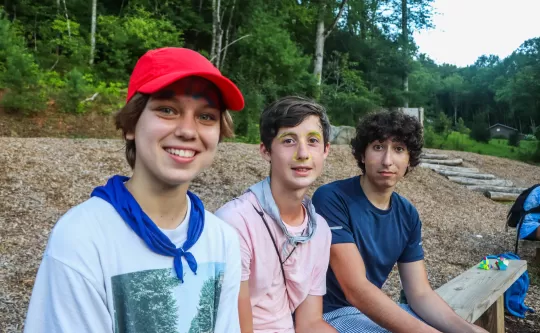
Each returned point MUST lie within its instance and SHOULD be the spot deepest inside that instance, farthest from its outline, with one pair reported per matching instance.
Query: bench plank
(474, 291)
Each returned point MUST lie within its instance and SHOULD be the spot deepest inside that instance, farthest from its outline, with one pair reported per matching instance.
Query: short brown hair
(290, 111)
(126, 119)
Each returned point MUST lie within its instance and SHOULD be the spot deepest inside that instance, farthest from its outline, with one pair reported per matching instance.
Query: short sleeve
(63, 300)
(332, 207)
(318, 285)
(232, 217)
(414, 250)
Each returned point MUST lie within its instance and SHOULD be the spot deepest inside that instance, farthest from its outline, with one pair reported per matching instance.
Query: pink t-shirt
(305, 269)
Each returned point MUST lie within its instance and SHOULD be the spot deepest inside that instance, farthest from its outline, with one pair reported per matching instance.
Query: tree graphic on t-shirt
(144, 301)
(205, 320)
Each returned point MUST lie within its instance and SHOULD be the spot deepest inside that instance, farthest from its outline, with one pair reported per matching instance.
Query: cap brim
(232, 97)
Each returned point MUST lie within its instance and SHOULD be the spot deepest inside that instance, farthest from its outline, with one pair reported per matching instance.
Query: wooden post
(493, 319)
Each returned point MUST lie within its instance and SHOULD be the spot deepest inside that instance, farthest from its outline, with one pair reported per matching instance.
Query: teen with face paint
(284, 243)
(142, 254)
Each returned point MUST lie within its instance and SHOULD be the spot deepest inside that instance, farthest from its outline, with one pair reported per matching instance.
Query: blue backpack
(514, 297)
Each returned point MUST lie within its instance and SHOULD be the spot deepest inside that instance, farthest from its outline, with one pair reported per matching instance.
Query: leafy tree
(144, 301)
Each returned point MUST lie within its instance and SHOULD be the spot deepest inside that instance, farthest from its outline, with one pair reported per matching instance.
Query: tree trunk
(405, 46)
(227, 32)
(93, 32)
(320, 38)
(217, 32)
(437, 167)
(35, 32)
(489, 182)
(449, 173)
(501, 196)
(484, 188)
(455, 113)
(220, 35)
(434, 156)
(67, 19)
(215, 19)
(454, 162)
(319, 46)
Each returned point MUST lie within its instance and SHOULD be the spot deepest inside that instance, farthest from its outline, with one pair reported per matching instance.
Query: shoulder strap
(533, 210)
(261, 214)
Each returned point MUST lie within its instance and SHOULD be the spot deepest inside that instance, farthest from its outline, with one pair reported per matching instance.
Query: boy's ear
(326, 149)
(264, 152)
(130, 135)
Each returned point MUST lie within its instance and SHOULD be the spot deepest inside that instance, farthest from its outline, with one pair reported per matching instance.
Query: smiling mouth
(181, 152)
(302, 169)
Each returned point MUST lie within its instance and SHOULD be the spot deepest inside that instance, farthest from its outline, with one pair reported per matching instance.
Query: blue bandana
(116, 193)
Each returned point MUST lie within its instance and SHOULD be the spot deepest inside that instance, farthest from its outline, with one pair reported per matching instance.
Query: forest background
(74, 57)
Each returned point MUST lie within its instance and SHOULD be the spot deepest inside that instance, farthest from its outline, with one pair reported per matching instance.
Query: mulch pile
(41, 178)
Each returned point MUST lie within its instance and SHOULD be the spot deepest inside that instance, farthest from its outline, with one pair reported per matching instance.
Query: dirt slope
(41, 178)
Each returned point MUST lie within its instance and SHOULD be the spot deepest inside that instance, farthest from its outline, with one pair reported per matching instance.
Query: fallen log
(448, 168)
(455, 162)
(466, 174)
(484, 188)
(501, 196)
(434, 156)
(470, 181)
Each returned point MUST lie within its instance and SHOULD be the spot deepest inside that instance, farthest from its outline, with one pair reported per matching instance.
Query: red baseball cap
(158, 68)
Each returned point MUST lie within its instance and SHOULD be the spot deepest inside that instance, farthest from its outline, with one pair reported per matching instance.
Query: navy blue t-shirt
(383, 237)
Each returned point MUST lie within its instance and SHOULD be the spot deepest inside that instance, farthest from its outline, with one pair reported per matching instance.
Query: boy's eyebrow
(315, 133)
(284, 134)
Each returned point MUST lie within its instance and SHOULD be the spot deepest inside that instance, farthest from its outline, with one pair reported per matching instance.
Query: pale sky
(466, 29)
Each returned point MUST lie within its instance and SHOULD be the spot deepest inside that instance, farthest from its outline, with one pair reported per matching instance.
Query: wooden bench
(477, 295)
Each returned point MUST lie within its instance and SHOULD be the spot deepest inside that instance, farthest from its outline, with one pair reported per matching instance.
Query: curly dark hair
(383, 125)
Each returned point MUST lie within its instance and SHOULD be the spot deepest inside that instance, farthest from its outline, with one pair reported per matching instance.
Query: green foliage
(526, 151)
(74, 92)
(120, 41)
(442, 124)
(514, 139)
(461, 128)
(344, 92)
(19, 73)
(430, 137)
(480, 132)
(45, 57)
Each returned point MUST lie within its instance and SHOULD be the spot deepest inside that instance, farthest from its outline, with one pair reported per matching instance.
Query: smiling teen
(142, 254)
(284, 243)
(373, 227)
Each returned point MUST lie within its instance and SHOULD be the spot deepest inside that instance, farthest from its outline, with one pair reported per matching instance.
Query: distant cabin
(502, 131)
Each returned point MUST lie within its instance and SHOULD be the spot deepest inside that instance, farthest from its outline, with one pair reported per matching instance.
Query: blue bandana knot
(116, 193)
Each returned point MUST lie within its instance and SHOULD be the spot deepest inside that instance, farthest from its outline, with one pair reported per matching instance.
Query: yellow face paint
(284, 134)
(312, 134)
(315, 134)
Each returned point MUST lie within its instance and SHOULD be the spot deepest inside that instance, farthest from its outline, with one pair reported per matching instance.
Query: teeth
(180, 152)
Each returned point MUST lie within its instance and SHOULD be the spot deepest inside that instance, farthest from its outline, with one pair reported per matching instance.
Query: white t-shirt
(97, 275)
